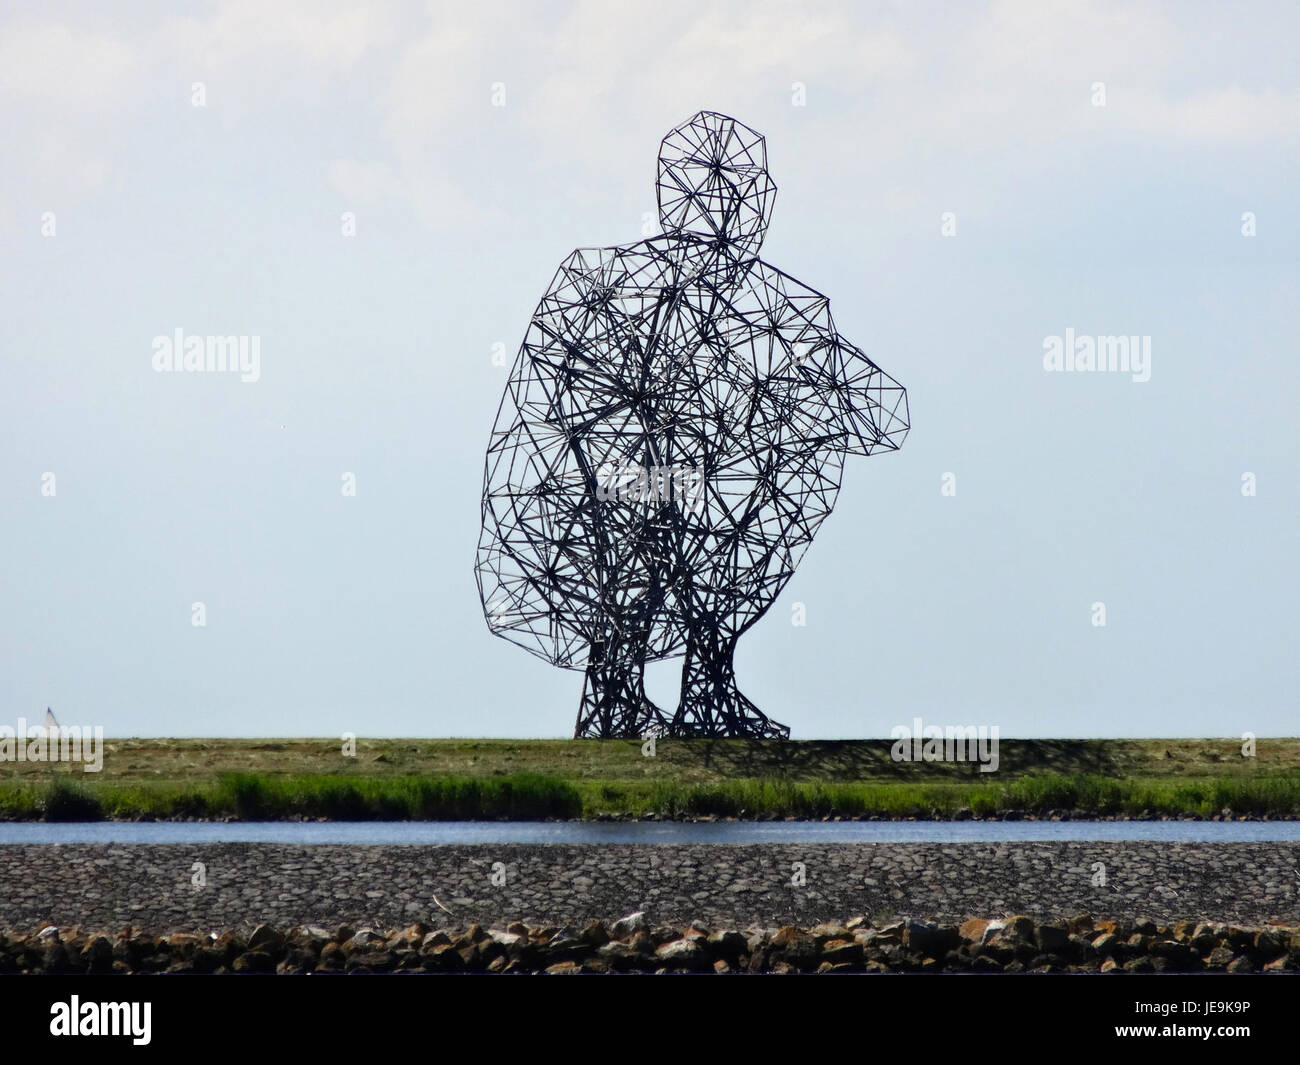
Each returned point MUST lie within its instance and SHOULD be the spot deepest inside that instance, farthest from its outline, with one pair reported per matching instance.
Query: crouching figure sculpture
(672, 435)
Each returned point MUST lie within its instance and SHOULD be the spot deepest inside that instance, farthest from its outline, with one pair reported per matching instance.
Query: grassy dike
(540, 779)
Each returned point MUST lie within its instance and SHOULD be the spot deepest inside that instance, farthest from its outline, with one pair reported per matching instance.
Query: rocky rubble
(725, 885)
(634, 943)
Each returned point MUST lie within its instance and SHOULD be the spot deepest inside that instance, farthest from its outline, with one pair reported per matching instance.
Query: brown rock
(363, 941)
(266, 939)
(489, 950)
(207, 960)
(1180, 955)
(1081, 947)
(891, 933)
(1240, 938)
(98, 955)
(1204, 943)
(619, 955)
(842, 952)
(254, 961)
(683, 954)
(794, 946)
(1051, 937)
(410, 938)
(1106, 943)
(511, 943)
(443, 958)
(727, 943)
(626, 927)
(595, 934)
(927, 938)
(1268, 944)
(1020, 927)
(228, 945)
(822, 932)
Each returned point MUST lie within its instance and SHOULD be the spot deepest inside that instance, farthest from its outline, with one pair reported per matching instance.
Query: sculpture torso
(667, 356)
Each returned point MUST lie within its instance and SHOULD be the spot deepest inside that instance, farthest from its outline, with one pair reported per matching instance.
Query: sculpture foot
(617, 711)
(725, 713)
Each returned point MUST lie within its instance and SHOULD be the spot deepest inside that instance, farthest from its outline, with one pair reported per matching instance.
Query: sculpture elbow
(876, 417)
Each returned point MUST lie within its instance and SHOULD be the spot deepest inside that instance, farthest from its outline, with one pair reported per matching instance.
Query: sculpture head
(713, 182)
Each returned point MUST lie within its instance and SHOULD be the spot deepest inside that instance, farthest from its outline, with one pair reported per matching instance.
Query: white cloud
(362, 182)
(55, 68)
(890, 92)
(294, 36)
(60, 88)
(1230, 114)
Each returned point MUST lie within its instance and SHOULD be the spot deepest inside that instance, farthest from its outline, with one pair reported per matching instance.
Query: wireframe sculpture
(672, 435)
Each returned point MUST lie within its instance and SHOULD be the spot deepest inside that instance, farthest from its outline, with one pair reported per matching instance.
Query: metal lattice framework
(672, 435)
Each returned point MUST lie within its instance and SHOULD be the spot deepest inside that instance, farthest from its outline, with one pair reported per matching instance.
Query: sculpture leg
(614, 703)
(711, 703)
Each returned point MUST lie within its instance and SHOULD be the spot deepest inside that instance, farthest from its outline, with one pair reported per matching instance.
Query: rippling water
(435, 832)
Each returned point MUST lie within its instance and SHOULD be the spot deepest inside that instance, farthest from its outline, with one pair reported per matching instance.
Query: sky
(380, 194)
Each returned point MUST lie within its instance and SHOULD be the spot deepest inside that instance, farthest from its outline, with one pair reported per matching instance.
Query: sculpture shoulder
(593, 285)
(787, 300)
(640, 266)
(786, 283)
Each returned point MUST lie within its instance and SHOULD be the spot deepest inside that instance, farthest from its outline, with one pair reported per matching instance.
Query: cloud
(289, 38)
(974, 86)
(363, 182)
(1230, 114)
(898, 95)
(55, 68)
(58, 91)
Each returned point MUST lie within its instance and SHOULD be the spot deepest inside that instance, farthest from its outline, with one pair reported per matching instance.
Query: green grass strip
(529, 796)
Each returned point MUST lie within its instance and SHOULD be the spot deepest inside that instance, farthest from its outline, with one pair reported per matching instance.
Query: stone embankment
(633, 944)
(207, 887)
